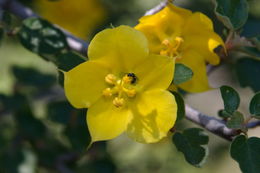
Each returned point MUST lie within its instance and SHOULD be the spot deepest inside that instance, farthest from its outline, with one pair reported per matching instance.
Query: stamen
(171, 48)
(121, 88)
(107, 92)
(118, 102)
(111, 79)
(131, 93)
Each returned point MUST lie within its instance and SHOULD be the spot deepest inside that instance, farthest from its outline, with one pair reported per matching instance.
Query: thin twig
(157, 8)
(212, 124)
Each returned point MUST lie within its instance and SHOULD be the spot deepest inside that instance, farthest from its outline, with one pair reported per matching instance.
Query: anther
(118, 102)
(131, 93)
(107, 92)
(111, 79)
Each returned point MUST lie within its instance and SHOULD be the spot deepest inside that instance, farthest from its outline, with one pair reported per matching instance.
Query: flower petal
(154, 115)
(84, 84)
(105, 121)
(202, 37)
(155, 73)
(204, 44)
(156, 27)
(199, 81)
(122, 47)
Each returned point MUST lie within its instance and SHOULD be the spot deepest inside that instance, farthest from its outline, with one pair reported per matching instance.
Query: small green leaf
(60, 111)
(182, 74)
(31, 77)
(77, 131)
(193, 144)
(29, 126)
(246, 153)
(255, 105)
(224, 114)
(232, 13)
(236, 121)
(1, 34)
(230, 98)
(68, 60)
(181, 106)
(248, 72)
(41, 37)
(7, 18)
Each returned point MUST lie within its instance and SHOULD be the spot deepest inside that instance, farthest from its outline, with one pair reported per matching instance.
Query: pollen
(120, 89)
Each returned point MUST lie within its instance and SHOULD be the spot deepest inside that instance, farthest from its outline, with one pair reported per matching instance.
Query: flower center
(120, 88)
(170, 48)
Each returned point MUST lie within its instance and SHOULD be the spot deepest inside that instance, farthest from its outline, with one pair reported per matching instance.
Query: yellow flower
(123, 87)
(80, 17)
(186, 36)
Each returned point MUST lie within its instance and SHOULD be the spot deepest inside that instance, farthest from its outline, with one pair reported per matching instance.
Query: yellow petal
(122, 47)
(155, 73)
(154, 114)
(198, 21)
(84, 84)
(159, 26)
(105, 121)
(202, 37)
(199, 81)
(204, 43)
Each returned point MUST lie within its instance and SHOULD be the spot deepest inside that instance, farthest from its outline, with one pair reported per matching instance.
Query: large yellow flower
(124, 87)
(80, 17)
(186, 36)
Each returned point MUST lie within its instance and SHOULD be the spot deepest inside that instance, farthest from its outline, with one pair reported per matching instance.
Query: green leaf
(41, 37)
(60, 111)
(29, 126)
(230, 98)
(232, 13)
(31, 77)
(193, 144)
(7, 18)
(68, 60)
(246, 153)
(224, 114)
(1, 34)
(181, 106)
(248, 72)
(77, 131)
(11, 160)
(254, 107)
(236, 121)
(182, 74)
